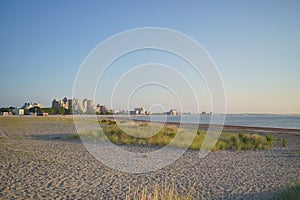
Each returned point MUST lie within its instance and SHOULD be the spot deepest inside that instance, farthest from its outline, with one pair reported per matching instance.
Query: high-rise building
(90, 106)
(103, 109)
(76, 105)
(84, 105)
(70, 104)
(55, 103)
(60, 103)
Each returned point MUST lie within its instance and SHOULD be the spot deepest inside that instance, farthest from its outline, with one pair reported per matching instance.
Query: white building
(172, 112)
(18, 111)
(28, 105)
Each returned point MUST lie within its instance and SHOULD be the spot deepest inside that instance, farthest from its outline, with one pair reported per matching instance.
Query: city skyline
(90, 105)
(254, 44)
(85, 106)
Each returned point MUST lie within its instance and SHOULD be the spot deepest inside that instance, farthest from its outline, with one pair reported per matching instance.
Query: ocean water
(272, 121)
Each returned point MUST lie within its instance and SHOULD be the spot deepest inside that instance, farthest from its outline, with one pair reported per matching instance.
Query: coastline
(226, 128)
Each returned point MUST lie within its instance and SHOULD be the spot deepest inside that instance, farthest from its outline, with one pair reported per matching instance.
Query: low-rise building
(60, 103)
(42, 114)
(7, 113)
(29, 105)
(17, 111)
(140, 111)
(103, 109)
(172, 112)
(133, 112)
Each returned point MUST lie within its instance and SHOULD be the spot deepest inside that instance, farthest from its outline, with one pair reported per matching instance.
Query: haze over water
(271, 121)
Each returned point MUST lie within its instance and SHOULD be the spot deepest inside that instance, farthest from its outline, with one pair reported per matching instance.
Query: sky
(255, 45)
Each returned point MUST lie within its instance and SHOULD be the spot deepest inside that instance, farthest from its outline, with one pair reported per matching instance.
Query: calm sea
(272, 121)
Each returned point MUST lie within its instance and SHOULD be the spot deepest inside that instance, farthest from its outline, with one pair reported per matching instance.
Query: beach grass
(284, 142)
(291, 192)
(142, 133)
(185, 138)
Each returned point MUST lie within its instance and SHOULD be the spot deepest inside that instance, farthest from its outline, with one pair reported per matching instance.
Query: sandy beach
(37, 162)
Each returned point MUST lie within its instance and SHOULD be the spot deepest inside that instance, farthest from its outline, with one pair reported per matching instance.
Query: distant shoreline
(226, 128)
(232, 128)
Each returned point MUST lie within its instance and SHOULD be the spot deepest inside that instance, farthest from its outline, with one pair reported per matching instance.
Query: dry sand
(36, 162)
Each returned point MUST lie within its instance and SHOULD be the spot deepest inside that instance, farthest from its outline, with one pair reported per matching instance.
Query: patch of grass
(291, 192)
(243, 141)
(165, 136)
(270, 139)
(72, 137)
(284, 142)
(107, 122)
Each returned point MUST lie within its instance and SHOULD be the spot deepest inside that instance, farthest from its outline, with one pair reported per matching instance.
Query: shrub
(242, 136)
(114, 139)
(242, 141)
(169, 131)
(166, 135)
(238, 146)
(107, 121)
(284, 142)
(270, 139)
(289, 192)
(221, 145)
(72, 137)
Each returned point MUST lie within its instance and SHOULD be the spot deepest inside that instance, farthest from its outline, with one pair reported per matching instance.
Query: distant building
(140, 111)
(172, 112)
(42, 114)
(90, 106)
(28, 105)
(65, 103)
(97, 110)
(103, 109)
(117, 111)
(60, 103)
(133, 112)
(18, 111)
(77, 105)
(70, 104)
(7, 113)
(206, 113)
(55, 103)
(84, 105)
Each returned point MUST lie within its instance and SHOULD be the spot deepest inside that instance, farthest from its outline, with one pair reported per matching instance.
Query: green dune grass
(166, 136)
(291, 192)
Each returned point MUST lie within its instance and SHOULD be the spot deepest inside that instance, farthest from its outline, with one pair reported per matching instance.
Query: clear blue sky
(255, 44)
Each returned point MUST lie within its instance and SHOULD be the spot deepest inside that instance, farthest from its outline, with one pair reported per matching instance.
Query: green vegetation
(103, 113)
(289, 193)
(6, 109)
(270, 139)
(72, 137)
(244, 142)
(284, 142)
(50, 111)
(165, 135)
(107, 122)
